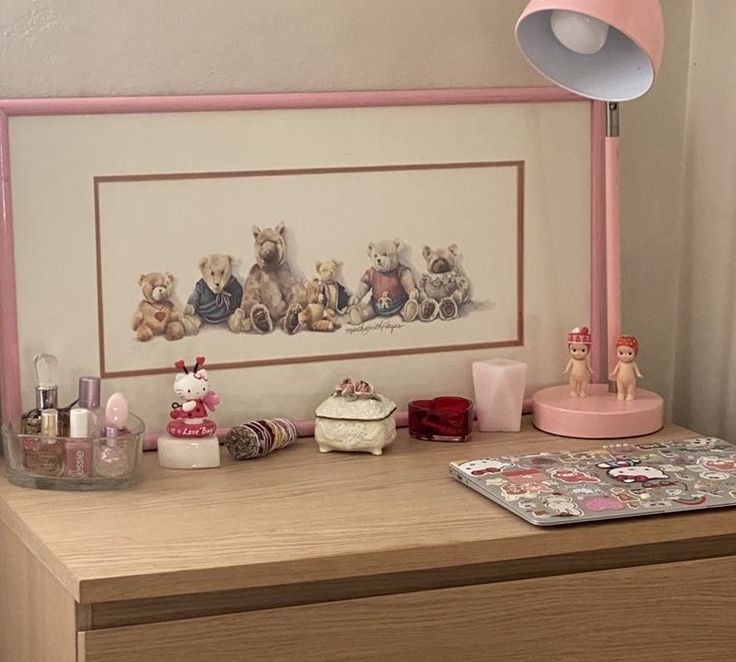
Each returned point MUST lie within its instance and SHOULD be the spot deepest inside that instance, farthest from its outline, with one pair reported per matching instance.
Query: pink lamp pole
(607, 50)
(613, 239)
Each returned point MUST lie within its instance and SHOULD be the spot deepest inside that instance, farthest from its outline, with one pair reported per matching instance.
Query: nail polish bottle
(78, 451)
(44, 455)
(89, 401)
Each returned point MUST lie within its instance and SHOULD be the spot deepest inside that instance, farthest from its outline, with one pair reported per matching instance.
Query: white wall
(95, 48)
(77, 47)
(652, 154)
(706, 376)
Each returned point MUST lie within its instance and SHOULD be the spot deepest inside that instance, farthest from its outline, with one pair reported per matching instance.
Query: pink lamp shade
(608, 50)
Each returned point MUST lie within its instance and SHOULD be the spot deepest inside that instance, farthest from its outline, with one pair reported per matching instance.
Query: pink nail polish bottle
(78, 458)
(78, 453)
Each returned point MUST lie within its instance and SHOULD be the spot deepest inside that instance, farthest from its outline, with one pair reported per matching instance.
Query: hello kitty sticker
(573, 475)
(483, 467)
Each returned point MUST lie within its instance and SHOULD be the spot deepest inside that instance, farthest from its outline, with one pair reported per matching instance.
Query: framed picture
(294, 239)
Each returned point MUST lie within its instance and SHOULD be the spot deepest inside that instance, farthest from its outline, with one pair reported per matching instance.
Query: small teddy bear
(315, 316)
(391, 285)
(156, 314)
(444, 288)
(331, 293)
(216, 295)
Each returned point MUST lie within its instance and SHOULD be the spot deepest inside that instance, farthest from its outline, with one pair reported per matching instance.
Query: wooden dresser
(300, 556)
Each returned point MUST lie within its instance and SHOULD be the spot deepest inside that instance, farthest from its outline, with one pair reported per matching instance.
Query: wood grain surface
(674, 612)
(37, 615)
(298, 516)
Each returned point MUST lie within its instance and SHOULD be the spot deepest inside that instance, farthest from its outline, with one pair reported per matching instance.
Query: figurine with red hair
(626, 370)
(579, 342)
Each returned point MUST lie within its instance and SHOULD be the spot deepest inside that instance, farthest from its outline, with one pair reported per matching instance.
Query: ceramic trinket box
(356, 419)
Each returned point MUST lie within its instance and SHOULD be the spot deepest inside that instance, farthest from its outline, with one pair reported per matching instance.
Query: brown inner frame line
(518, 341)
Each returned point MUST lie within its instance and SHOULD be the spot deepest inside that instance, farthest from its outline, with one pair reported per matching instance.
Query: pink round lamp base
(599, 416)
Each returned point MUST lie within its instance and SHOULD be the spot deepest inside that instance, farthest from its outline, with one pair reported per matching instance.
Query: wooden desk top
(298, 516)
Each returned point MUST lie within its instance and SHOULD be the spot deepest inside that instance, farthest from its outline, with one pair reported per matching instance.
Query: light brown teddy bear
(216, 295)
(157, 315)
(315, 316)
(444, 288)
(272, 295)
(331, 293)
(391, 284)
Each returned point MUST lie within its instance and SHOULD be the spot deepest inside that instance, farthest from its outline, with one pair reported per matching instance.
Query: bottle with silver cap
(46, 367)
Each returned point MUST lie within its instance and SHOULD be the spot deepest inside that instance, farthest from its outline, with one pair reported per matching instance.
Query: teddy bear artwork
(315, 315)
(274, 296)
(391, 284)
(217, 295)
(156, 314)
(444, 287)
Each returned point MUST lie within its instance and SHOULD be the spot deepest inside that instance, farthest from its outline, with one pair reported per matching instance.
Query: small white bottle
(89, 401)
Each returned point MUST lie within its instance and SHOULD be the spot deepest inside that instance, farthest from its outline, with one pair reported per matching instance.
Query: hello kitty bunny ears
(198, 363)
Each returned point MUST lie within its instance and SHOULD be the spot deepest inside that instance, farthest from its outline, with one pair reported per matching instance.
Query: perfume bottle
(113, 456)
(46, 367)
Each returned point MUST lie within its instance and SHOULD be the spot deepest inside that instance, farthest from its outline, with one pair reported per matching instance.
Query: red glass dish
(447, 418)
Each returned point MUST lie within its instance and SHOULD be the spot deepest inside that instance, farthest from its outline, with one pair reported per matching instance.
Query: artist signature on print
(381, 326)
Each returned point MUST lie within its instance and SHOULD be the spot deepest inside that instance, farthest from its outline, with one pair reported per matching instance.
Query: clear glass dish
(64, 463)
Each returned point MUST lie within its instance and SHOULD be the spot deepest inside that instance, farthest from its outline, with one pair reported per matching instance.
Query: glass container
(65, 463)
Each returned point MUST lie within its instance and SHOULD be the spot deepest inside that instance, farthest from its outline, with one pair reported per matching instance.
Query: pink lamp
(609, 50)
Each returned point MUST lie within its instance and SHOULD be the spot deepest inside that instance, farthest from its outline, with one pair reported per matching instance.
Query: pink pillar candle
(499, 394)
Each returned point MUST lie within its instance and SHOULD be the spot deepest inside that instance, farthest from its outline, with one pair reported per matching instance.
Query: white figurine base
(188, 453)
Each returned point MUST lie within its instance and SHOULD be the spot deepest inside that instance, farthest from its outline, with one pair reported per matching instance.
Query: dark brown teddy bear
(272, 295)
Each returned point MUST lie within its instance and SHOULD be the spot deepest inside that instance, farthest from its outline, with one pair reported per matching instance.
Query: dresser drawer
(613, 615)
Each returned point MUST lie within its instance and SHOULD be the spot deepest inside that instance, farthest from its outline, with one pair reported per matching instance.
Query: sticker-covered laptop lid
(617, 480)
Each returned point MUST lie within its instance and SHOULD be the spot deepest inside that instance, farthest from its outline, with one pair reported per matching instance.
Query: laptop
(609, 482)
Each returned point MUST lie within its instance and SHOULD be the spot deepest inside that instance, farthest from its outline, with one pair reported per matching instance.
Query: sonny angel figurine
(626, 370)
(578, 344)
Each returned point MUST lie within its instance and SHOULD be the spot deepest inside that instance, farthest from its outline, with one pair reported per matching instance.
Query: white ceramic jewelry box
(356, 425)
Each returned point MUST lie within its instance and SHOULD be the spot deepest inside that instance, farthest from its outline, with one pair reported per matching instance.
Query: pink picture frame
(10, 390)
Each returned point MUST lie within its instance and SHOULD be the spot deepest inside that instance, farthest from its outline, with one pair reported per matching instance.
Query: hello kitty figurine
(579, 342)
(626, 370)
(194, 389)
(190, 442)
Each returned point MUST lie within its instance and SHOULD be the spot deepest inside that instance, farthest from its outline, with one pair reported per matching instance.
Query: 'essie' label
(78, 458)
